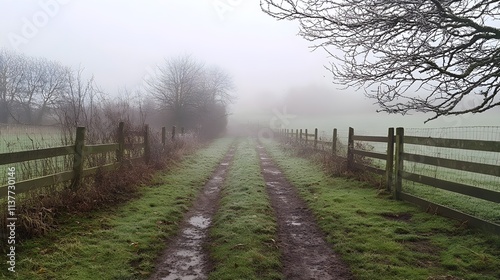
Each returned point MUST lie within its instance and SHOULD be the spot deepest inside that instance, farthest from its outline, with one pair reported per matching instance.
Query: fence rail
(79, 150)
(395, 158)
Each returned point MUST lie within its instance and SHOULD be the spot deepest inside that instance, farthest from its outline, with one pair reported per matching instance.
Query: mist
(275, 72)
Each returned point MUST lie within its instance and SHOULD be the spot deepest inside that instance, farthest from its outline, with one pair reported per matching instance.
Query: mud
(306, 254)
(185, 257)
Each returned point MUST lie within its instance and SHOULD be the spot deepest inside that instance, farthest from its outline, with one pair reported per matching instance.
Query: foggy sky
(119, 40)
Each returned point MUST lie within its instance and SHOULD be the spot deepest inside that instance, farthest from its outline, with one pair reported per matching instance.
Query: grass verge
(119, 243)
(244, 230)
(385, 239)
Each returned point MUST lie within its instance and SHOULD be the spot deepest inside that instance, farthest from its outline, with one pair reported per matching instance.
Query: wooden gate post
(121, 142)
(315, 138)
(334, 142)
(399, 162)
(350, 148)
(306, 136)
(389, 164)
(300, 140)
(296, 135)
(78, 158)
(173, 132)
(147, 147)
(163, 136)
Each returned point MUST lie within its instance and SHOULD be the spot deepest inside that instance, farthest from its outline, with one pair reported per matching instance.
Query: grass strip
(385, 239)
(244, 230)
(120, 243)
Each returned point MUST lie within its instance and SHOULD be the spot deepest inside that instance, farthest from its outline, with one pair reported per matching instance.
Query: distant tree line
(30, 88)
(182, 92)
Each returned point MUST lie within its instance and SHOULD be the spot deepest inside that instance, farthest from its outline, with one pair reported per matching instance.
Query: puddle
(200, 222)
(185, 259)
(186, 253)
(192, 233)
(294, 221)
(177, 277)
(273, 184)
(272, 171)
(217, 179)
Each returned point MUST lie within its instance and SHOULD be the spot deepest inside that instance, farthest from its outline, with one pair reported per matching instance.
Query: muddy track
(185, 257)
(305, 253)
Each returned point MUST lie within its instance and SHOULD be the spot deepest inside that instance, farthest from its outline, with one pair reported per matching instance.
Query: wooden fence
(79, 150)
(395, 158)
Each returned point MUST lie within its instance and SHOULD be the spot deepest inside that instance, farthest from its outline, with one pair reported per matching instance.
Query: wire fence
(481, 208)
(15, 138)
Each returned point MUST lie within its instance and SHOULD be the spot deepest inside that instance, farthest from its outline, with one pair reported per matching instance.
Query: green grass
(480, 208)
(244, 230)
(120, 243)
(19, 138)
(360, 224)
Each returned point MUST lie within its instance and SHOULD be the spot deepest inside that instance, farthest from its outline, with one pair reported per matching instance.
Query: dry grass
(336, 165)
(39, 211)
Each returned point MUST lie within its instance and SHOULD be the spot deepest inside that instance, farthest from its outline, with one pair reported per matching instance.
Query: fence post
(350, 148)
(121, 142)
(300, 140)
(296, 135)
(334, 142)
(163, 136)
(389, 164)
(173, 132)
(399, 161)
(306, 136)
(78, 159)
(147, 148)
(315, 138)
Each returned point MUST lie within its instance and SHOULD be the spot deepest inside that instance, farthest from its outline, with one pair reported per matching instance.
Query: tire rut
(305, 253)
(185, 257)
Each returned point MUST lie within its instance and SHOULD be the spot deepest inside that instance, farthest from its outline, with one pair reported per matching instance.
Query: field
(14, 138)
(375, 236)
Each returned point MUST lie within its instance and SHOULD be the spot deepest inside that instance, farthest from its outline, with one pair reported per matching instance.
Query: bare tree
(215, 87)
(409, 55)
(29, 87)
(191, 94)
(175, 86)
(12, 75)
(77, 106)
(54, 84)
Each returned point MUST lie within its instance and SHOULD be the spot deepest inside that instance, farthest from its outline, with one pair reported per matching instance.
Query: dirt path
(306, 254)
(185, 257)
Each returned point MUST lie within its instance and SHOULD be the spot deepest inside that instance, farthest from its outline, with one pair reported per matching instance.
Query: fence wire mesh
(478, 207)
(15, 138)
